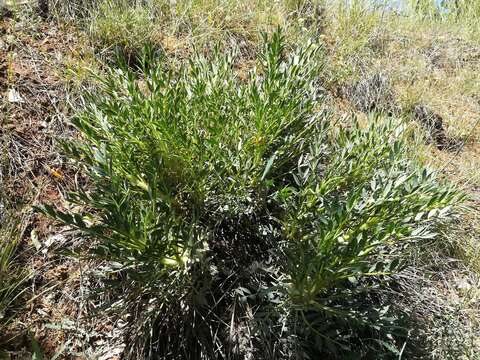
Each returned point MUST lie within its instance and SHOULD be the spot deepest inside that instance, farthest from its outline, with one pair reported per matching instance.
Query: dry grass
(178, 27)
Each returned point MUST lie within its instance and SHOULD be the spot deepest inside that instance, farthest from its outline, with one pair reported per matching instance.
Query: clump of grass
(373, 94)
(12, 278)
(121, 26)
(234, 219)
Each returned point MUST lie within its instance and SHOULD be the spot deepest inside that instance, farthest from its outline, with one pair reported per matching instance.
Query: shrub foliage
(234, 218)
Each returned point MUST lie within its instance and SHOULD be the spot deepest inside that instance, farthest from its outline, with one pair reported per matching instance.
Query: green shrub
(234, 218)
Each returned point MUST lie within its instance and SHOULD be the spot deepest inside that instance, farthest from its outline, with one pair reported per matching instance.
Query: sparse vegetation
(242, 180)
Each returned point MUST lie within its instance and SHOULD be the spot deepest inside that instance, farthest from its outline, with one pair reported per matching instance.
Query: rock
(14, 96)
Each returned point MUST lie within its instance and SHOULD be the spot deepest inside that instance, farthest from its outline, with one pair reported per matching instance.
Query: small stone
(14, 96)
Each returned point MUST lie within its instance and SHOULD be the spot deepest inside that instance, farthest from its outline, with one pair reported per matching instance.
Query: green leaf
(268, 166)
(37, 352)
